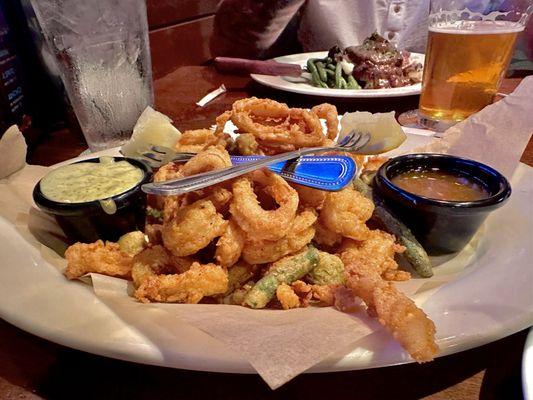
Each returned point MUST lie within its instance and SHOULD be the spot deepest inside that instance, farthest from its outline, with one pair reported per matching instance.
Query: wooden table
(31, 367)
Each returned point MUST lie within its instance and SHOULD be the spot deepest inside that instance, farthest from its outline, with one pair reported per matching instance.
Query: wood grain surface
(31, 367)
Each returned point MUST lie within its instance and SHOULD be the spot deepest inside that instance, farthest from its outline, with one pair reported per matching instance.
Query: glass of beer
(470, 44)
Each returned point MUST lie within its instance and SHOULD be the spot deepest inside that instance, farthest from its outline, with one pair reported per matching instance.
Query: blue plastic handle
(329, 173)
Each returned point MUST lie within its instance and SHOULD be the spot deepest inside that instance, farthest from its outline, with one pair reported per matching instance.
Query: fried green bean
(414, 252)
(287, 270)
(328, 271)
(338, 75)
(330, 67)
(311, 67)
(344, 85)
(352, 83)
(321, 71)
(132, 243)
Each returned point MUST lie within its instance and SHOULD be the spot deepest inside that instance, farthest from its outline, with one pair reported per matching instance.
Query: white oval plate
(278, 82)
(491, 299)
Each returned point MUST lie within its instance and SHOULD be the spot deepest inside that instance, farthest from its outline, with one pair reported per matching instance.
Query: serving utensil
(350, 143)
(290, 72)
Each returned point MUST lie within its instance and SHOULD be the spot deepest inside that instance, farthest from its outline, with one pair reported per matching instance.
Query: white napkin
(12, 151)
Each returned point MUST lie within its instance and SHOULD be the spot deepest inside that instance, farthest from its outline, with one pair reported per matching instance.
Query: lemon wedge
(386, 133)
(151, 129)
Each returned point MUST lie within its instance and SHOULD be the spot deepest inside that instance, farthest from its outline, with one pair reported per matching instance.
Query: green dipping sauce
(90, 181)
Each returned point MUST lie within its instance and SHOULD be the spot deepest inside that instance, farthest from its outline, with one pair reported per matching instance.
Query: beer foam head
(477, 27)
(468, 21)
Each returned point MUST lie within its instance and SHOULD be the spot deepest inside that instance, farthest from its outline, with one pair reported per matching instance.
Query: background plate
(277, 82)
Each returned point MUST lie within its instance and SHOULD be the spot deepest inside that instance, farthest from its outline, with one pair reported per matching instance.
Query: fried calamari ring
(191, 228)
(329, 113)
(156, 260)
(300, 234)
(210, 159)
(230, 245)
(168, 171)
(221, 121)
(276, 123)
(258, 223)
(194, 141)
(345, 212)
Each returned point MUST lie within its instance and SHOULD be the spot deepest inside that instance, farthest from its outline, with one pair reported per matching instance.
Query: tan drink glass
(469, 48)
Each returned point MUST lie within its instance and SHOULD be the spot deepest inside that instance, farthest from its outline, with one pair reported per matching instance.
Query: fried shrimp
(188, 287)
(399, 314)
(300, 234)
(258, 223)
(192, 228)
(345, 212)
(230, 245)
(329, 113)
(97, 257)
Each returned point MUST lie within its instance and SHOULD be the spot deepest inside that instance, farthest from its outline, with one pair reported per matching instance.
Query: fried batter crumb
(287, 297)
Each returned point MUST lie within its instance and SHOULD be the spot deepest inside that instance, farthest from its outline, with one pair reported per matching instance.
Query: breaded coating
(192, 228)
(230, 245)
(345, 212)
(168, 171)
(337, 296)
(287, 297)
(378, 251)
(325, 237)
(157, 260)
(194, 141)
(97, 257)
(310, 197)
(154, 233)
(189, 287)
(301, 233)
(304, 291)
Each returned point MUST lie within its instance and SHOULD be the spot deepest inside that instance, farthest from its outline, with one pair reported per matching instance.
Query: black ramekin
(87, 222)
(441, 226)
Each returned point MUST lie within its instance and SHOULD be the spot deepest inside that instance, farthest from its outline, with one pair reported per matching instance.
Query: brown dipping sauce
(440, 185)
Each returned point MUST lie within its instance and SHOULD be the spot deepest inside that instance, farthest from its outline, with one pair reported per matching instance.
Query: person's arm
(253, 28)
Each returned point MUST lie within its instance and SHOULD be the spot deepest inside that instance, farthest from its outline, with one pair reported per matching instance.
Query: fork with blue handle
(314, 169)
